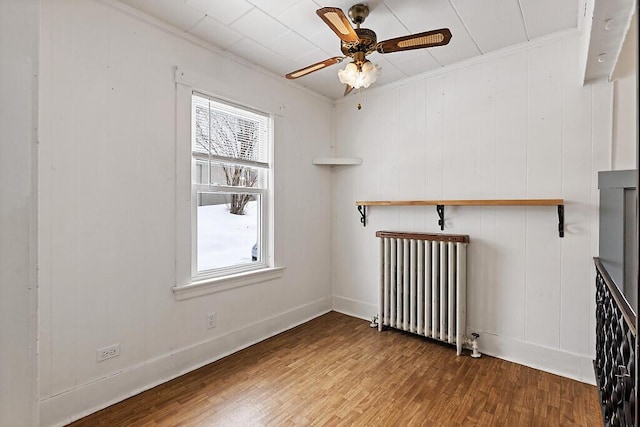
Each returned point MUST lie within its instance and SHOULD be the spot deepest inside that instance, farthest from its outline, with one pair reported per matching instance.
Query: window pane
(202, 172)
(228, 229)
(236, 175)
(225, 130)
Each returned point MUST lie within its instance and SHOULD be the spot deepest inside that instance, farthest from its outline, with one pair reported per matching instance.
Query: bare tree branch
(227, 135)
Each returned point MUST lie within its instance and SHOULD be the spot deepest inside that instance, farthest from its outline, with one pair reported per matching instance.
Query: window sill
(220, 284)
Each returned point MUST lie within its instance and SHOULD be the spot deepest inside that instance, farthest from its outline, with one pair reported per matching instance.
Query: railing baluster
(615, 351)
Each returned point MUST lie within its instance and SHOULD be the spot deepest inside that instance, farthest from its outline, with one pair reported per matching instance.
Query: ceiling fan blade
(415, 41)
(347, 90)
(314, 67)
(338, 22)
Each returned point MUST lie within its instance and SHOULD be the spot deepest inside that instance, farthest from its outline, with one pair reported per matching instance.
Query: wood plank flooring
(337, 371)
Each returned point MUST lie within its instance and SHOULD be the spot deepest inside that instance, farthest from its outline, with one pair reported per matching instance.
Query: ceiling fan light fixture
(357, 78)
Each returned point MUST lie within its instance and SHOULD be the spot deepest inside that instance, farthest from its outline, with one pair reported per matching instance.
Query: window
(230, 177)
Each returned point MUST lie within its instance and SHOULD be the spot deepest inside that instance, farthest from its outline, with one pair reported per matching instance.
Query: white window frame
(262, 192)
(190, 283)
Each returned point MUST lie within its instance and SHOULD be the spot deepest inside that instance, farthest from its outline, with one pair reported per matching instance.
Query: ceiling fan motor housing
(366, 45)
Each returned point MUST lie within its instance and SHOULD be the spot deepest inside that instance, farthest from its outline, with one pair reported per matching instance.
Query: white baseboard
(354, 308)
(570, 365)
(578, 367)
(88, 398)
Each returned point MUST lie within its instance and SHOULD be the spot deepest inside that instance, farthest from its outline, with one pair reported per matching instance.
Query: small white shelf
(345, 161)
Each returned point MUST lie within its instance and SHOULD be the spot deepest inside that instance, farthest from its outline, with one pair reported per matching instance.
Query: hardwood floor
(335, 370)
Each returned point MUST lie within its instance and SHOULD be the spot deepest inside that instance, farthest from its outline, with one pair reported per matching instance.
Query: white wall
(18, 137)
(107, 209)
(625, 104)
(516, 124)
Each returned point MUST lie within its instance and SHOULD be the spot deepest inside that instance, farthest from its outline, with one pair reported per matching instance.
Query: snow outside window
(230, 176)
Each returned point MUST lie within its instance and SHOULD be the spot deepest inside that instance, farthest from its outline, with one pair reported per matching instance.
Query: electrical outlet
(211, 320)
(108, 352)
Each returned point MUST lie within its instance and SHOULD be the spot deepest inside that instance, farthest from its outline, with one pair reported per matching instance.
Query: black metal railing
(615, 362)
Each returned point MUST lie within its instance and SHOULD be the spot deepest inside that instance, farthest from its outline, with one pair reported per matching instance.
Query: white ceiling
(285, 35)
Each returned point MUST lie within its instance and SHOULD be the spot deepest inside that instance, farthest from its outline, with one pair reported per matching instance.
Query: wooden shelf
(337, 161)
(496, 202)
(440, 204)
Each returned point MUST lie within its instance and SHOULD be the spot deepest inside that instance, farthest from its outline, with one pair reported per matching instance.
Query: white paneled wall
(18, 222)
(107, 208)
(515, 124)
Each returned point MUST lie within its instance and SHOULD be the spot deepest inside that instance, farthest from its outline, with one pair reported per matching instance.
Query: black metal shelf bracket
(363, 214)
(561, 220)
(440, 210)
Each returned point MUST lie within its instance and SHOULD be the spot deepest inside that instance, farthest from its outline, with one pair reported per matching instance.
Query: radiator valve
(474, 346)
(374, 322)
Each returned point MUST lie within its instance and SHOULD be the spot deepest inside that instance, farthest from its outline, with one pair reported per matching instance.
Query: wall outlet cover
(107, 352)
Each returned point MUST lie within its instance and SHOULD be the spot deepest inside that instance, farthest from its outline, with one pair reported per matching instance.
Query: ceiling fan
(357, 43)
